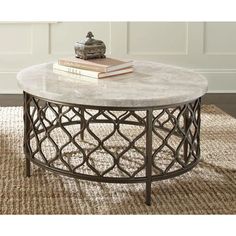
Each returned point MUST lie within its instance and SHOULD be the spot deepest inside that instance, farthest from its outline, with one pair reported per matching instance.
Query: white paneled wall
(209, 48)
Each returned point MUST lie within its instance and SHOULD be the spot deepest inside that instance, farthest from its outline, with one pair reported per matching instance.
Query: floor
(227, 102)
(210, 188)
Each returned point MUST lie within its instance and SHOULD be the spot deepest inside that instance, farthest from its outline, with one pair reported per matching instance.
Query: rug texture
(210, 188)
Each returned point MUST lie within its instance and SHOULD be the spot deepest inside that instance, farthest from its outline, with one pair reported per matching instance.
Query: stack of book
(94, 68)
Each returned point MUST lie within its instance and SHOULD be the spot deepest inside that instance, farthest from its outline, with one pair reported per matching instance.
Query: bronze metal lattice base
(109, 144)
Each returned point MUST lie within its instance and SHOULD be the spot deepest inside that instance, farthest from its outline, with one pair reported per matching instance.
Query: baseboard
(220, 80)
(8, 83)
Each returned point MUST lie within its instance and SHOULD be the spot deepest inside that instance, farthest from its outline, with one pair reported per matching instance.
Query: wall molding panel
(219, 38)
(157, 39)
(206, 47)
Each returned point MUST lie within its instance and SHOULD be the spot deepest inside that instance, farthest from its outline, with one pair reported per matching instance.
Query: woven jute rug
(210, 188)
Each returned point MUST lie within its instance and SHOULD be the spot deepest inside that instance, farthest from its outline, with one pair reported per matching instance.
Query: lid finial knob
(89, 35)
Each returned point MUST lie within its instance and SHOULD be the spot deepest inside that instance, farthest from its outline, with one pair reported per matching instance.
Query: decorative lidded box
(90, 48)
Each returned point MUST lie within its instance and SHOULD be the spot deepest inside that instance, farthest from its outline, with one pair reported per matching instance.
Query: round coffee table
(133, 128)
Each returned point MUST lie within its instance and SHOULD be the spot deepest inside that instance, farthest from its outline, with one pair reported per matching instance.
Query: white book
(74, 77)
(93, 74)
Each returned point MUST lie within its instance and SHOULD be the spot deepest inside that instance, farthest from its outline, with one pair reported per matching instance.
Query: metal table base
(169, 134)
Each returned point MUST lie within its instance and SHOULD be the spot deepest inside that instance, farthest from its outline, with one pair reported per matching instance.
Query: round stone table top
(150, 85)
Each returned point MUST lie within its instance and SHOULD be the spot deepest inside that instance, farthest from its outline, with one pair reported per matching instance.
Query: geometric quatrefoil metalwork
(118, 145)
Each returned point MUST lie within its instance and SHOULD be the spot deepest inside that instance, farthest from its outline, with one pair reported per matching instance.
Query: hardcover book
(89, 73)
(100, 65)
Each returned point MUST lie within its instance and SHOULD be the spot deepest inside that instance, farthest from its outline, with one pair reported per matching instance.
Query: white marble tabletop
(151, 84)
